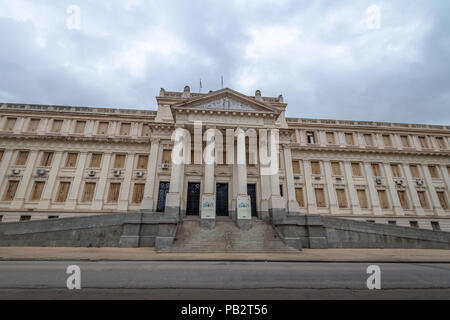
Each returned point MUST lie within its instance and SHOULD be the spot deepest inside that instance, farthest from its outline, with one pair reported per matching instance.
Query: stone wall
(134, 229)
(315, 231)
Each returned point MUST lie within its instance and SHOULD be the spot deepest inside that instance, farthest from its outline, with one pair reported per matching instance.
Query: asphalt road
(222, 280)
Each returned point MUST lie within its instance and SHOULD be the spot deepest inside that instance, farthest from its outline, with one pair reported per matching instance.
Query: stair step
(227, 237)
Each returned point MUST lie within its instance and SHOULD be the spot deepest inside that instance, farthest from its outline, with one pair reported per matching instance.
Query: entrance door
(163, 190)
(251, 191)
(193, 199)
(222, 199)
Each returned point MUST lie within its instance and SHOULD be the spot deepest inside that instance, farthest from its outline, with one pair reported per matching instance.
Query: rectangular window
(371, 221)
(414, 224)
(423, 199)
(395, 170)
(142, 161)
(342, 199)
(88, 194)
(414, 170)
(368, 139)
(349, 139)
(392, 222)
(37, 191)
(442, 200)
(33, 125)
(63, 191)
(138, 192)
(167, 156)
(315, 167)
(114, 190)
(125, 129)
(53, 217)
(22, 158)
(330, 138)
(356, 169)
(387, 140)
(320, 197)
(79, 127)
(96, 160)
(103, 127)
(299, 196)
(376, 171)
(47, 158)
(56, 126)
(296, 167)
(10, 123)
(433, 172)
(435, 225)
(402, 197)
(281, 190)
(71, 161)
(336, 168)
(1, 218)
(119, 161)
(310, 137)
(362, 197)
(405, 141)
(423, 142)
(25, 218)
(384, 203)
(440, 142)
(146, 130)
(10, 190)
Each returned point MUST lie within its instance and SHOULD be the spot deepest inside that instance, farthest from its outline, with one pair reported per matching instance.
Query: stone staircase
(226, 237)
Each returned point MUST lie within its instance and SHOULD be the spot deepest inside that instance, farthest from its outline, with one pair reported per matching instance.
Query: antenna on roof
(200, 89)
(221, 78)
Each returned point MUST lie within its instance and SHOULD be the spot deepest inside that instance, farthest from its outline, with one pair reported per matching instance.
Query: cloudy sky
(362, 60)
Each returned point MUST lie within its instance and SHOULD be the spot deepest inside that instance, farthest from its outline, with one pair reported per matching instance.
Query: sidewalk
(149, 254)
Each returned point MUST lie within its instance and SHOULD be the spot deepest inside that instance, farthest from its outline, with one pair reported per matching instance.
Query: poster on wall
(208, 208)
(244, 210)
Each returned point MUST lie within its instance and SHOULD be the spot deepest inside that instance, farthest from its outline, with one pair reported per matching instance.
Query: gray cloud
(323, 56)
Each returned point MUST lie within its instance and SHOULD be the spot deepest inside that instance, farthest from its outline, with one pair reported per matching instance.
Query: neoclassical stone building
(62, 161)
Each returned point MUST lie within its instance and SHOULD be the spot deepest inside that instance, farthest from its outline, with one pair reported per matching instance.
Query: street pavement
(222, 280)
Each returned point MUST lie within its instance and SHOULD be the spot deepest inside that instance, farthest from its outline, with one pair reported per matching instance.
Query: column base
(172, 208)
(208, 224)
(244, 224)
(147, 204)
(293, 207)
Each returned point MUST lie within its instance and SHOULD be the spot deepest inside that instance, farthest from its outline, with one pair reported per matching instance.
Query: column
(322, 139)
(72, 198)
(4, 165)
(244, 214)
(26, 181)
(148, 201)
(208, 211)
(97, 204)
(277, 207)
(445, 175)
(396, 206)
(173, 198)
(241, 163)
(19, 126)
(310, 196)
(330, 187)
(47, 194)
(372, 190)
(412, 190)
(437, 209)
(354, 201)
(293, 206)
(126, 183)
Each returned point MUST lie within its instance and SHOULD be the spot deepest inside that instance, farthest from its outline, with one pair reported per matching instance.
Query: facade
(61, 161)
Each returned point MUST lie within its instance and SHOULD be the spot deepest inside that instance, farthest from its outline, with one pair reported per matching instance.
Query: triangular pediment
(225, 100)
